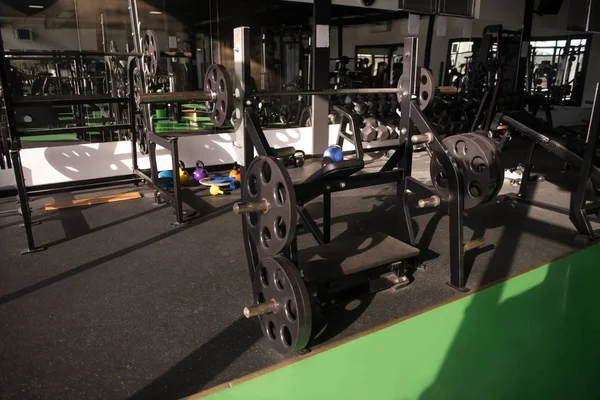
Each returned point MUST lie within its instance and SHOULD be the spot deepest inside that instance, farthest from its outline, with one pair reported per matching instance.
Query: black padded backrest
(336, 170)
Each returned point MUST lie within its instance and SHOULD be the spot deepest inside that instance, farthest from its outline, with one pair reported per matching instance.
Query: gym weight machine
(289, 284)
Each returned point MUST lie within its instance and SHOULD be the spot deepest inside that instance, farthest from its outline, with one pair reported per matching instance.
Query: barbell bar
(211, 95)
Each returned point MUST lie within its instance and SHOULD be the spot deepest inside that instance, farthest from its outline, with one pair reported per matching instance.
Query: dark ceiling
(194, 15)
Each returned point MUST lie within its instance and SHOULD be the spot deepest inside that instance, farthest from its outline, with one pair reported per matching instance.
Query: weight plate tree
(269, 204)
(288, 323)
(218, 81)
(479, 162)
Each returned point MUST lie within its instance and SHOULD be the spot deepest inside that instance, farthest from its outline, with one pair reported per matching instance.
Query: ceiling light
(156, 12)
(35, 6)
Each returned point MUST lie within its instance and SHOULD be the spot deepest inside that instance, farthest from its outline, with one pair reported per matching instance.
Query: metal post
(102, 22)
(408, 81)
(427, 58)
(15, 147)
(524, 50)
(241, 57)
(327, 217)
(176, 183)
(263, 59)
(320, 77)
(527, 171)
(77, 24)
(577, 209)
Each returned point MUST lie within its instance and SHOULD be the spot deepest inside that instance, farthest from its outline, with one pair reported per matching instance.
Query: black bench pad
(337, 170)
(345, 257)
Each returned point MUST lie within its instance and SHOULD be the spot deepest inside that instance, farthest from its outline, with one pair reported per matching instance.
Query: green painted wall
(536, 336)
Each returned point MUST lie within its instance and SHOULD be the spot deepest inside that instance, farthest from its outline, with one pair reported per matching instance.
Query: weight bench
(542, 134)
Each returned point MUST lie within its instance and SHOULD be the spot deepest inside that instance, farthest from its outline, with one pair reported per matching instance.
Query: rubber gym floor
(123, 305)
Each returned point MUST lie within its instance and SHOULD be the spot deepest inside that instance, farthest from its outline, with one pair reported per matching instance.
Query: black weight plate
(218, 81)
(498, 170)
(288, 329)
(426, 90)
(478, 165)
(267, 178)
(151, 53)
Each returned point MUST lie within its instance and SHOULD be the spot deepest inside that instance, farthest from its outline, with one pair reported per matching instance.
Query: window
(557, 67)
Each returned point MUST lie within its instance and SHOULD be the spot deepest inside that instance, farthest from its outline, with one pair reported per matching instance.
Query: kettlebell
(200, 173)
(334, 153)
(235, 172)
(184, 177)
(215, 190)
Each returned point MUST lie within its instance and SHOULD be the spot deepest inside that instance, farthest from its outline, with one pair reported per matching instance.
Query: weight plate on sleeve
(267, 178)
(218, 81)
(151, 53)
(479, 164)
(289, 329)
(425, 88)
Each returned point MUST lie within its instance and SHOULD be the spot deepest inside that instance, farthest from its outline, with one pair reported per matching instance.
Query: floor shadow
(199, 368)
(105, 259)
(332, 322)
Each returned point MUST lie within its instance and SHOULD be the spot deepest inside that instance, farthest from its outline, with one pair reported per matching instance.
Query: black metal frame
(397, 169)
(583, 200)
(11, 137)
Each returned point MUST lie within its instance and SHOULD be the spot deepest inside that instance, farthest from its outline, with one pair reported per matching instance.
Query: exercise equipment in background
(165, 179)
(200, 173)
(332, 154)
(184, 176)
(235, 172)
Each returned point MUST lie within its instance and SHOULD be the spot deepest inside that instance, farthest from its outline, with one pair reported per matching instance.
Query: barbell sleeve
(474, 244)
(175, 97)
(261, 206)
(424, 138)
(432, 201)
(447, 89)
(263, 308)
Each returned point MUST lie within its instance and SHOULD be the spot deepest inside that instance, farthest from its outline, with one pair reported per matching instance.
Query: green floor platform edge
(534, 336)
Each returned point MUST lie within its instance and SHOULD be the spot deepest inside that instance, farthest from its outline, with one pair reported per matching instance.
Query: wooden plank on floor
(93, 200)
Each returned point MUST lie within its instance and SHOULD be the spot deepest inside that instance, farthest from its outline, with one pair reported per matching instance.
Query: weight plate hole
(208, 85)
(252, 185)
(253, 218)
(478, 165)
(286, 335)
(460, 148)
(222, 86)
(279, 279)
(216, 115)
(271, 330)
(265, 172)
(260, 298)
(222, 107)
(280, 194)
(441, 180)
(264, 277)
(423, 79)
(266, 237)
(213, 76)
(424, 95)
(280, 228)
(475, 190)
(290, 310)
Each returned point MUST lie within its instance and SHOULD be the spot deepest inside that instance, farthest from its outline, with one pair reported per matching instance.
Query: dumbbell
(382, 133)
(368, 133)
(360, 107)
(371, 122)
